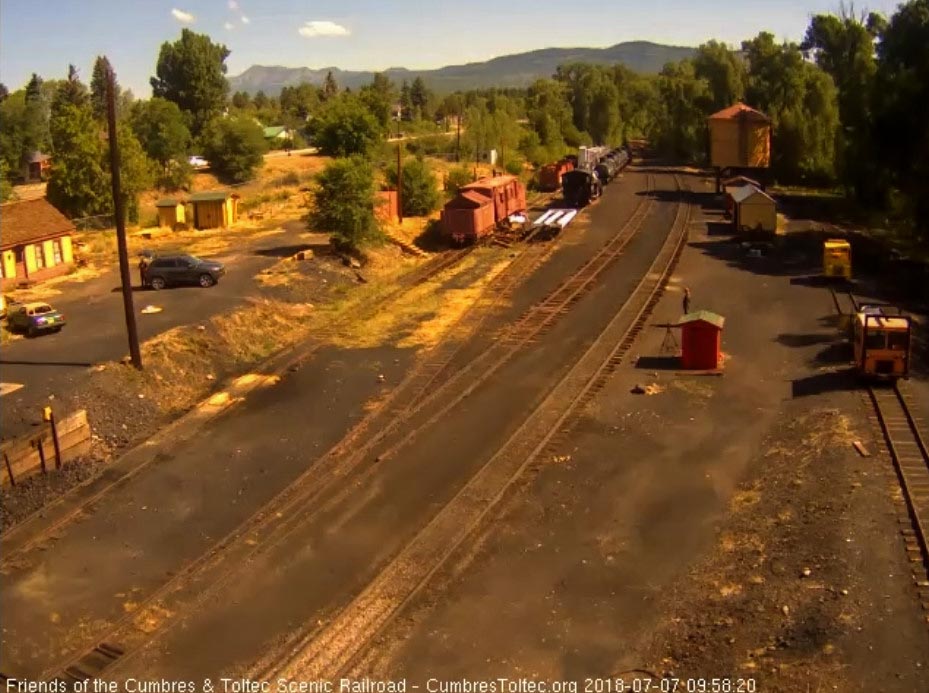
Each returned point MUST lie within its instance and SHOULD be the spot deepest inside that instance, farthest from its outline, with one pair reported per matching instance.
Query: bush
(514, 166)
(234, 146)
(457, 177)
(344, 202)
(420, 194)
(175, 176)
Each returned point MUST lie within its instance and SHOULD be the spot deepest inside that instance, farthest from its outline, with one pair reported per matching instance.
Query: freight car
(550, 174)
(483, 206)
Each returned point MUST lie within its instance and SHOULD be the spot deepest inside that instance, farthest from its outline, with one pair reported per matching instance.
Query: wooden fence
(37, 453)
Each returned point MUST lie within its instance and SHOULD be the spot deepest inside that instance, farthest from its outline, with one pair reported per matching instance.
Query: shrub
(344, 202)
(420, 194)
(457, 177)
(234, 147)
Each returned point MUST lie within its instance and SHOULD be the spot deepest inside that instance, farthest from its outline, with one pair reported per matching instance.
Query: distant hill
(516, 70)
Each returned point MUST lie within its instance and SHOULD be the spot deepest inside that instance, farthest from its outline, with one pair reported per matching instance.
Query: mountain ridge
(515, 70)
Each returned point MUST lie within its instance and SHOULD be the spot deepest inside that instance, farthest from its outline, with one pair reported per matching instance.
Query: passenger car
(198, 162)
(168, 270)
(33, 318)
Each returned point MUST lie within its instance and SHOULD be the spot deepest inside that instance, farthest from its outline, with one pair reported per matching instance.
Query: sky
(44, 36)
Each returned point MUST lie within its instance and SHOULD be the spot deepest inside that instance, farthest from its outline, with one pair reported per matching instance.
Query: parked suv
(171, 270)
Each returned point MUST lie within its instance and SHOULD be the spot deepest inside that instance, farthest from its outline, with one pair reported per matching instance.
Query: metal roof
(489, 182)
(740, 110)
(211, 196)
(273, 131)
(703, 316)
(747, 191)
(169, 202)
(30, 221)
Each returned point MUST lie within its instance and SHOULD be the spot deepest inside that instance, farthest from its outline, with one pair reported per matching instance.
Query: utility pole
(458, 144)
(399, 170)
(119, 210)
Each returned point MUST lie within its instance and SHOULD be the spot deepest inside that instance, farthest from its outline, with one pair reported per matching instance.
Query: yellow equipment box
(837, 259)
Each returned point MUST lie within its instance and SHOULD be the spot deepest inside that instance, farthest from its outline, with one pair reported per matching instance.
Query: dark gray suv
(172, 270)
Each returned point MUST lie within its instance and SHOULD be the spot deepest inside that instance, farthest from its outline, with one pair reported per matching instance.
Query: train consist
(596, 166)
(483, 206)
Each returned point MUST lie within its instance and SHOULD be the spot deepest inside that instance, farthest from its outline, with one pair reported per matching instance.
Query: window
(39, 251)
(56, 248)
(898, 341)
(875, 340)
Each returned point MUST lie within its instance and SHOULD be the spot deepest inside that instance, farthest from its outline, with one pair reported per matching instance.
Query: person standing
(686, 301)
(143, 266)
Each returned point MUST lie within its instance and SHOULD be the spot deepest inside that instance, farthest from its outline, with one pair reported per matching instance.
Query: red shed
(468, 216)
(701, 337)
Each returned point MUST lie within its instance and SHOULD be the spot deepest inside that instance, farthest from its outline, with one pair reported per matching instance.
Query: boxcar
(480, 207)
(550, 174)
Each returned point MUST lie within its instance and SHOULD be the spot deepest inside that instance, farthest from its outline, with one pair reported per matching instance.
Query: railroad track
(910, 456)
(195, 582)
(329, 651)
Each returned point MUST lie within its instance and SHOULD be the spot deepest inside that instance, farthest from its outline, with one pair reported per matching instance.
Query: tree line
(847, 105)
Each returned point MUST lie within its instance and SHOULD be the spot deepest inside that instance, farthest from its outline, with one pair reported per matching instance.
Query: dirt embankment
(797, 593)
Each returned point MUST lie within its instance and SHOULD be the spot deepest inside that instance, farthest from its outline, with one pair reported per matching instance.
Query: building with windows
(35, 242)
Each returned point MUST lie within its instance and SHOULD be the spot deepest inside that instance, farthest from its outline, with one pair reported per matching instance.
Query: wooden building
(35, 242)
(701, 340)
(171, 213)
(740, 140)
(35, 167)
(386, 205)
(753, 210)
(215, 209)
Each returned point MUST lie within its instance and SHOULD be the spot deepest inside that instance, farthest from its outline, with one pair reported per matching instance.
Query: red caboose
(481, 206)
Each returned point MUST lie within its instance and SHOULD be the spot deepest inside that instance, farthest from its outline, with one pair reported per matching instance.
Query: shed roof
(273, 131)
(169, 202)
(489, 182)
(740, 111)
(703, 316)
(31, 220)
(211, 196)
(748, 191)
(737, 181)
(469, 196)
(36, 157)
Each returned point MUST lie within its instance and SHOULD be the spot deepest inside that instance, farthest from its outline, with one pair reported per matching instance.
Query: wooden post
(51, 420)
(9, 469)
(38, 444)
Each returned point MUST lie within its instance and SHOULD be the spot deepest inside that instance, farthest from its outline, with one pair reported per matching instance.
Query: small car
(198, 162)
(33, 318)
(173, 270)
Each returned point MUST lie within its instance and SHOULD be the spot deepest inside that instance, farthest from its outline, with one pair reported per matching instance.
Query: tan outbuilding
(171, 213)
(214, 209)
(754, 210)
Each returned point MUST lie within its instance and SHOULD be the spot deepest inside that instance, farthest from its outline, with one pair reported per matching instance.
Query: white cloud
(323, 28)
(182, 17)
(245, 20)
(233, 5)
(229, 26)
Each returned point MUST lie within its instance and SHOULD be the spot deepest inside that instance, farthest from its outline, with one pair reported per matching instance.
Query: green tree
(136, 171)
(300, 102)
(4, 92)
(191, 72)
(844, 47)
(78, 184)
(71, 91)
(419, 189)
(603, 118)
(98, 86)
(260, 100)
(6, 188)
(378, 98)
(330, 87)
(406, 101)
(901, 126)
(344, 202)
(724, 73)
(802, 102)
(458, 177)
(235, 147)
(344, 127)
(679, 129)
(159, 126)
(419, 99)
(242, 101)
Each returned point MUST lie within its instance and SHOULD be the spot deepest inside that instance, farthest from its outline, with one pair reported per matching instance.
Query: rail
(910, 457)
(293, 505)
